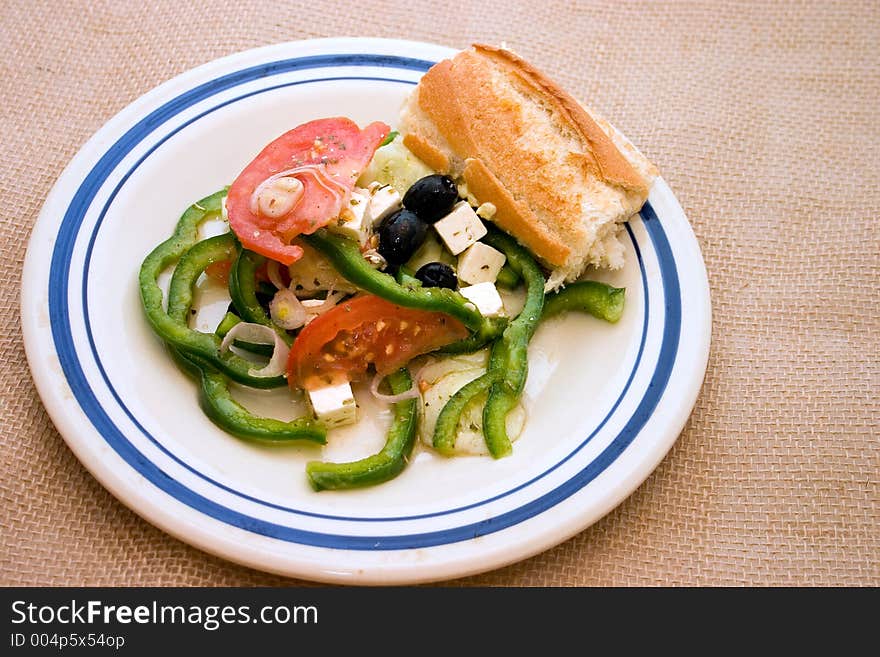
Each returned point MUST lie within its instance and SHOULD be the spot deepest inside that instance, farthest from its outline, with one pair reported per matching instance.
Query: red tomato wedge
(343, 343)
(267, 209)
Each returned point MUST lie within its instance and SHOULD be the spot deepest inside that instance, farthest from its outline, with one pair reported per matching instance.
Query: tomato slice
(366, 331)
(219, 271)
(326, 156)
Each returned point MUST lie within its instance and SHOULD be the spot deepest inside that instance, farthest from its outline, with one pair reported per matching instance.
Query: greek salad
(348, 260)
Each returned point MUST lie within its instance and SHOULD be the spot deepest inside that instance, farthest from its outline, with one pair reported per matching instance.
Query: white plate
(605, 403)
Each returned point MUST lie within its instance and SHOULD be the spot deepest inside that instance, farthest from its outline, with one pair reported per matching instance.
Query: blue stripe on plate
(58, 294)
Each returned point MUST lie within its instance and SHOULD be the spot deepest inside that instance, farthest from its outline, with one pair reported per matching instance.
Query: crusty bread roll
(562, 181)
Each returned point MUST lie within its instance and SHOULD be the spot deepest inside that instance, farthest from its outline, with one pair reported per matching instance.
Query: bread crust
(427, 152)
(604, 159)
(511, 216)
(485, 104)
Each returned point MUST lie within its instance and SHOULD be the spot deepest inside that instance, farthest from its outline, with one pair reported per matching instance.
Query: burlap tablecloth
(764, 120)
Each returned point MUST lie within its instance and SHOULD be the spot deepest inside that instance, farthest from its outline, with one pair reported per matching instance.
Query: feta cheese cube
(384, 200)
(334, 405)
(480, 263)
(352, 222)
(486, 298)
(460, 228)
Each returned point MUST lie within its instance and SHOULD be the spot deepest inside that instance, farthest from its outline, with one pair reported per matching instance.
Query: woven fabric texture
(763, 117)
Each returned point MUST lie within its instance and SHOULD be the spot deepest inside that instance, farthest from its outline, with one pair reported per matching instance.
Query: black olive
(437, 274)
(400, 234)
(431, 197)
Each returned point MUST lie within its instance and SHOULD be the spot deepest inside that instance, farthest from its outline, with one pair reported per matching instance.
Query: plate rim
(123, 492)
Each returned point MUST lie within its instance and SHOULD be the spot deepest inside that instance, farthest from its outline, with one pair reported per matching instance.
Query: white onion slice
(274, 272)
(321, 178)
(417, 379)
(286, 310)
(260, 334)
(328, 303)
(412, 393)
